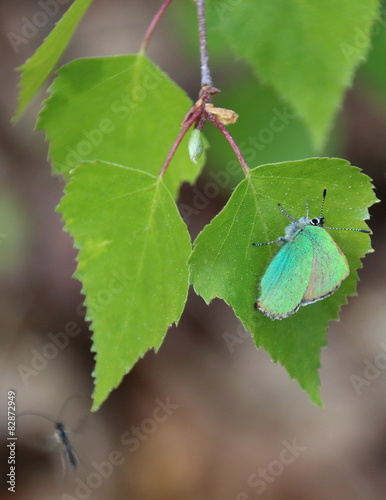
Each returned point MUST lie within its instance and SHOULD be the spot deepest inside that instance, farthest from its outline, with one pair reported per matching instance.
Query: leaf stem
(206, 78)
(187, 123)
(232, 142)
(153, 25)
(199, 113)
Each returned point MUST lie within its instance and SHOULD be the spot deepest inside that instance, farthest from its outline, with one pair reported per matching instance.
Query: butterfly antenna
(348, 229)
(339, 228)
(267, 242)
(285, 213)
(323, 198)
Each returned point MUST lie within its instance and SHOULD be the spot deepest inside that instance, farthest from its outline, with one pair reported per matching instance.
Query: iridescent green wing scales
(329, 265)
(286, 279)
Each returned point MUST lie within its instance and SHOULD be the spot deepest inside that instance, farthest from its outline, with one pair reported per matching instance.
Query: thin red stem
(232, 142)
(153, 25)
(187, 124)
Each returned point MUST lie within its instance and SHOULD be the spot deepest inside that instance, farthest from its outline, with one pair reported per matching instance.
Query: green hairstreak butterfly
(309, 267)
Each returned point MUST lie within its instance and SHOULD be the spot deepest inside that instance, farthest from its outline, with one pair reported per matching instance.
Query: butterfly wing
(287, 278)
(329, 265)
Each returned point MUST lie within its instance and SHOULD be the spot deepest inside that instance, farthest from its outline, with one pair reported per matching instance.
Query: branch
(187, 123)
(232, 142)
(206, 78)
(153, 25)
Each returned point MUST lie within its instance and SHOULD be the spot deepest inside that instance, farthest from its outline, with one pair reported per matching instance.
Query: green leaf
(121, 109)
(132, 262)
(37, 68)
(267, 131)
(307, 50)
(373, 73)
(225, 264)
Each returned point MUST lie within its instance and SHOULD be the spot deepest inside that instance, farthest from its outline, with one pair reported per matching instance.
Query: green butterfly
(309, 267)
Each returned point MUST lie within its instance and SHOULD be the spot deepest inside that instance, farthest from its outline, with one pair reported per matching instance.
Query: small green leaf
(225, 264)
(132, 262)
(120, 109)
(307, 50)
(37, 68)
(196, 145)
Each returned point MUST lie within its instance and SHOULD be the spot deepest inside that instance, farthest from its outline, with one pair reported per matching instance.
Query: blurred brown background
(197, 420)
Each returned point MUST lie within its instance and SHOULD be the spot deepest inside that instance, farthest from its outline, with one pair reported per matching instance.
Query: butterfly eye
(317, 221)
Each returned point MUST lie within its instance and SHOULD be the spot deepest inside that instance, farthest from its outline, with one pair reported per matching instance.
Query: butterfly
(309, 267)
